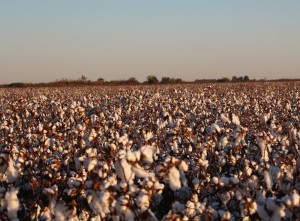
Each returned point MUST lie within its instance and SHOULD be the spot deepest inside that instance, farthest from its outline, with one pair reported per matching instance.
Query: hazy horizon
(42, 41)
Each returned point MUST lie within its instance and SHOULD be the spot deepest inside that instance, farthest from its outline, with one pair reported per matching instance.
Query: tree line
(150, 79)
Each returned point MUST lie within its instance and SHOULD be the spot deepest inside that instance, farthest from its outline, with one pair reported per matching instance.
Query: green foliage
(152, 79)
(168, 80)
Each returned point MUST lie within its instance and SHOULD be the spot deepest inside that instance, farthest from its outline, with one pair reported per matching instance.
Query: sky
(42, 41)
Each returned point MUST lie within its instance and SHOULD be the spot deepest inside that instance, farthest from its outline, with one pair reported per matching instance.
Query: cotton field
(177, 152)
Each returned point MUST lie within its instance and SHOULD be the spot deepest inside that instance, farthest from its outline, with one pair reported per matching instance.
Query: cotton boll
(224, 119)
(130, 156)
(90, 165)
(183, 166)
(215, 180)
(223, 141)
(215, 128)
(235, 119)
(174, 178)
(295, 199)
(142, 201)
(59, 212)
(129, 215)
(12, 203)
(147, 153)
(268, 179)
(139, 171)
(11, 172)
(123, 170)
(224, 181)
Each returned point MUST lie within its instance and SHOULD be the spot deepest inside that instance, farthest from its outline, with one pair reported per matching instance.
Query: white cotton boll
(263, 148)
(224, 181)
(183, 166)
(79, 127)
(129, 215)
(139, 171)
(174, 178)
(147, 153)
(190, 208)
(123, 170)
(225, 215)
(60, 211)
(235, 119)
(12, 203)
(48, 191)
(130, 156)
(215, 128)
(90, 164)
(95, 205)
(11, 172)
(223, 141)
(224, 119)
(295, 199)
(133, 156)
(203, 163)
(287, 200)
(275, 173)
(268, 179)
(158, 186)
(104, 200)
(148, 136)
(215, 180)
(142, 201)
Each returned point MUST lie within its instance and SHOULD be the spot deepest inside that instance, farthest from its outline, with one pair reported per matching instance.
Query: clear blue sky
(43, 41)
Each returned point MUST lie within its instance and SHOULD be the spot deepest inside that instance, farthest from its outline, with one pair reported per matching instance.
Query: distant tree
(224, 79)
(246, 78)
(234, 78)
(165, 80)
(132, 80)
(178, 80)
(100, 80)
(83, 78)
(151, 79)
(168, 80)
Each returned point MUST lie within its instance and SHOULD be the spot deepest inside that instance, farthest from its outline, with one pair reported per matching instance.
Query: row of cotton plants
(179, 152)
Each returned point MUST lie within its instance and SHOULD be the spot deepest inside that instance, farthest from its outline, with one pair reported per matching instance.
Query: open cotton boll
(183, 166)
(124, 171)
(11, 172)
(59, 212)
(235, 119)
(147, 153)
(174, 178)
(142, 200)
(295, 199)
(95, 205)
(139, 171)
(12, 203)
(133, 156)
(268, 179)
(89, 164)
(224, 119)
(148, 135)
(215, 128)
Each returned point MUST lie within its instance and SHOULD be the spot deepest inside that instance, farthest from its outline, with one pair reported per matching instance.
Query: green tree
(246, 78)
(152, 79)
(100, 80)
